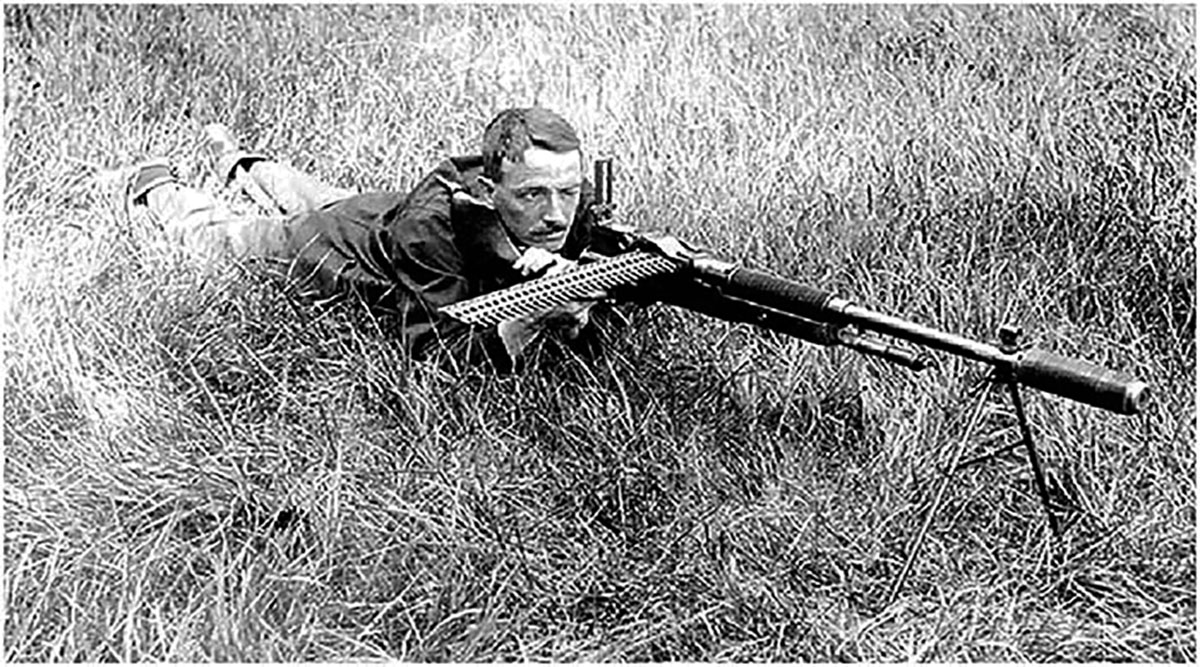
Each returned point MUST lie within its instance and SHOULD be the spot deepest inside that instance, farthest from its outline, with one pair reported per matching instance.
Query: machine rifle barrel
(1071, 378)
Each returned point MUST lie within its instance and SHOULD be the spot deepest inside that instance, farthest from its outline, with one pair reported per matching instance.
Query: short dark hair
(514, 131)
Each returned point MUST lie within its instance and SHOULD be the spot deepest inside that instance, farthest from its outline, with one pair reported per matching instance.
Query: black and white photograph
(652, 333)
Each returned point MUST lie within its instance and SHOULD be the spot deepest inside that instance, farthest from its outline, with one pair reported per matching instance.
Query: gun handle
(1081, 381)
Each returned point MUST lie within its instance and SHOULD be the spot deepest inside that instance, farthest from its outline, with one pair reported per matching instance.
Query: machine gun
(630, 265)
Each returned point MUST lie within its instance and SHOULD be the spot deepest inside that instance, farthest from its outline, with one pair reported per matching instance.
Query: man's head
(532, 172)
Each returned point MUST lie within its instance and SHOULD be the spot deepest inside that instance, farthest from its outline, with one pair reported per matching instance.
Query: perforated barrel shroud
(544, 293)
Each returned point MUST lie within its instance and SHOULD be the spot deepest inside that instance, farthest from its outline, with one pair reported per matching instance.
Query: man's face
(537, 198)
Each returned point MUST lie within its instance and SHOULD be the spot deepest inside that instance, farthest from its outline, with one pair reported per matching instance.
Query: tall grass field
(199, 466)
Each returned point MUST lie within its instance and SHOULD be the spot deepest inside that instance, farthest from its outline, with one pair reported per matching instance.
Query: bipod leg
(914, 546)
(1009, 342)
(1035, 461)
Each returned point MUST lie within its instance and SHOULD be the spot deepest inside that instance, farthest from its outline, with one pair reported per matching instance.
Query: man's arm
(433, 252)
(406, 258)
(569, 318)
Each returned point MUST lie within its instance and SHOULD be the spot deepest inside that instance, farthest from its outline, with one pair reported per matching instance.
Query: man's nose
(556, 212)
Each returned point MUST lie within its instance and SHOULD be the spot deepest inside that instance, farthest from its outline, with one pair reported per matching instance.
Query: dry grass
(199, 468)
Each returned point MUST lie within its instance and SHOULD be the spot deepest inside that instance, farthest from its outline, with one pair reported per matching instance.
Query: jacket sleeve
(405, 260)
(401, 262)
(429, 266)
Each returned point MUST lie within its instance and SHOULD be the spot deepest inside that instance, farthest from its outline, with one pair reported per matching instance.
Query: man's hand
(535, 261)
(569, 318)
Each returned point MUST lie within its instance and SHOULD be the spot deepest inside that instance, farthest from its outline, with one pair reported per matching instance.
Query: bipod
(1009, 343)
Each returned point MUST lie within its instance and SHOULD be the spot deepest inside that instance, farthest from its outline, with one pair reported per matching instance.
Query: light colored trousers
(207, 229)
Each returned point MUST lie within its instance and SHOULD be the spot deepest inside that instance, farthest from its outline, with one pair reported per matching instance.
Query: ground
(199, 467)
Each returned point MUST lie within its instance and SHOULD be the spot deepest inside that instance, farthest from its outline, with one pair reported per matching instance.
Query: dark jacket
(404, 256)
